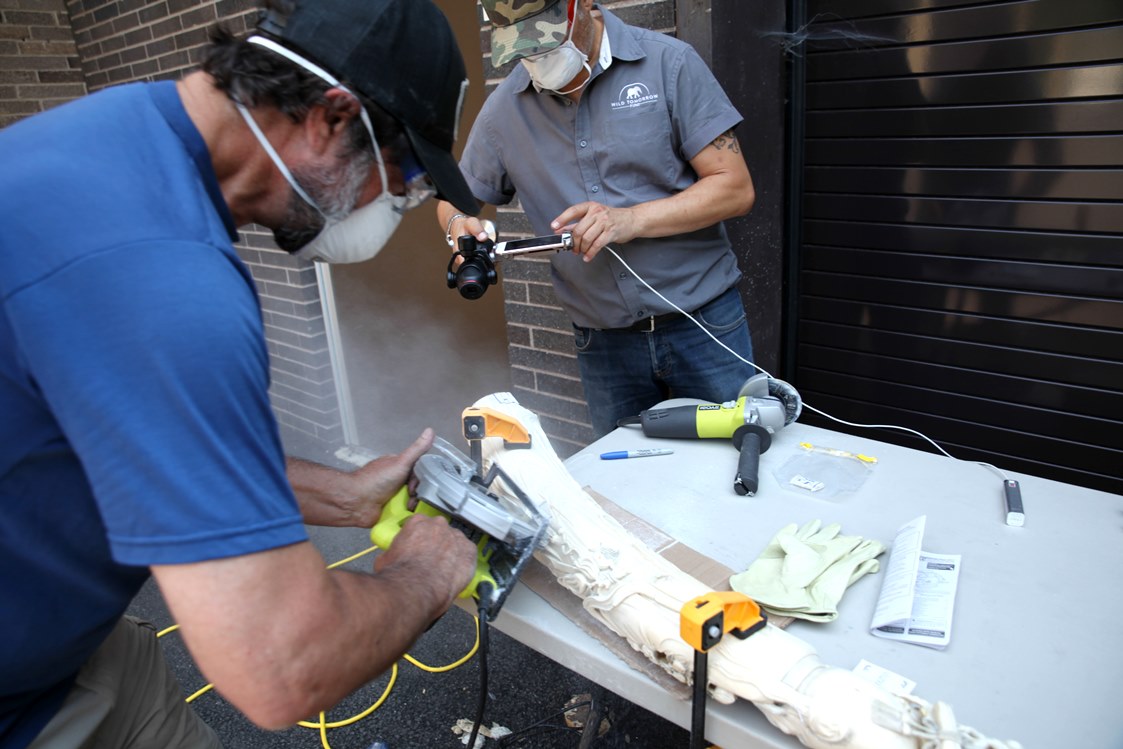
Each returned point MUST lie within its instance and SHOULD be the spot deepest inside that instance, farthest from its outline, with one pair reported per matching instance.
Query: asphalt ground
(527, 692)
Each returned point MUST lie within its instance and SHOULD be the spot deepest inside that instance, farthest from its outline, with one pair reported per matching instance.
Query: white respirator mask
(358, 237)
(363, 232)
(551, 70)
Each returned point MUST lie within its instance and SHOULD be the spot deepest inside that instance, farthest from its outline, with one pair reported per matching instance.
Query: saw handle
(751, 440)
(396, 512)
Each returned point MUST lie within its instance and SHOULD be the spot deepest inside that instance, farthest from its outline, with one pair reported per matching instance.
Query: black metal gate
(958, 248)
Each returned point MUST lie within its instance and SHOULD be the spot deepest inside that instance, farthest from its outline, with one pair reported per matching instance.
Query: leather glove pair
(804, 571)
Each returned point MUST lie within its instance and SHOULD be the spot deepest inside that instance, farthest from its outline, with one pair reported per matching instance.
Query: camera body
(477, 269)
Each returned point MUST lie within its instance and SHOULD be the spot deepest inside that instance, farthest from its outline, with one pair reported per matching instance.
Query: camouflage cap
(521, 28)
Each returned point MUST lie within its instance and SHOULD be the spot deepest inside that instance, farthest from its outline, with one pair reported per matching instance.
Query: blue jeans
(625, 372)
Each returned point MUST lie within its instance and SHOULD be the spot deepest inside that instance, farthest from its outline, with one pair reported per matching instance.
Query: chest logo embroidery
(633, 95)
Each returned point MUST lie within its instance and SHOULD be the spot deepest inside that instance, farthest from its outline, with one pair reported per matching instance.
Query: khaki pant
(126, 697)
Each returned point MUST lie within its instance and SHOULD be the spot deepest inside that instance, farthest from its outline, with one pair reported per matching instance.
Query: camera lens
(472, 279)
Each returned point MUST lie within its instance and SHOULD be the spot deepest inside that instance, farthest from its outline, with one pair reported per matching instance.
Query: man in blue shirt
(136, 435)
(623, 136)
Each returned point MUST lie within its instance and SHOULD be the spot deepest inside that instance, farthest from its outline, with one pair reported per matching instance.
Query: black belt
(647, 324)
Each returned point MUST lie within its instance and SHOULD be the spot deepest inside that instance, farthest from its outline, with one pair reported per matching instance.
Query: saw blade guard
(775, 402)
(447, 480)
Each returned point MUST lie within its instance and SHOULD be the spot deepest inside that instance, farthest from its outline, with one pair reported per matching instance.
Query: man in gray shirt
(624, 137)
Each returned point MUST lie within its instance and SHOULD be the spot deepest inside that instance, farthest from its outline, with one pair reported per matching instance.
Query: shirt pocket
(637, 157)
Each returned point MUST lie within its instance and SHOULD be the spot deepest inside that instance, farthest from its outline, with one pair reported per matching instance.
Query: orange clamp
(704, 620)
(480, 422)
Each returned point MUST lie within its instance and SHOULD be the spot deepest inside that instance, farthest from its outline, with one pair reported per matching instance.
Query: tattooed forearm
(727, 140)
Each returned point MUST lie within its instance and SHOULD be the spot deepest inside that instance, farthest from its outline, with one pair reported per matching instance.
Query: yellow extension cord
(322, 725)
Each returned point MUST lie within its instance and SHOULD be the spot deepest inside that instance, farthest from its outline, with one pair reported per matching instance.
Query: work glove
(804, 571)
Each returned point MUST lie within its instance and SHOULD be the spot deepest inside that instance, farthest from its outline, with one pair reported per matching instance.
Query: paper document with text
(917, 597)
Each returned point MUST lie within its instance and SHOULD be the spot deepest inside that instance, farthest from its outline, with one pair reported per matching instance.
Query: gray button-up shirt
(629, 140)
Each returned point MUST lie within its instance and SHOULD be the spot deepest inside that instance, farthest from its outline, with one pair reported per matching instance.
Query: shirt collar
(166, 98)
(622, 41)
(605, 59)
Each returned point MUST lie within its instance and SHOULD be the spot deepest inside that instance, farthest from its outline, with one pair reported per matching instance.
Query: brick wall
(53, 51)
(544, 368)
(39, 65)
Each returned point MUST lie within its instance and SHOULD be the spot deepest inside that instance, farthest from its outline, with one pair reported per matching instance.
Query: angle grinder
(763, 406)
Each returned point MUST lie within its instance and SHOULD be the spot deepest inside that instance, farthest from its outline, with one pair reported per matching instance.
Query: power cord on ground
(544, 726)
(485, 590)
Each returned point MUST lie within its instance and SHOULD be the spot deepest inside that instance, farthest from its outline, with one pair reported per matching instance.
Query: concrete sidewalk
(524, 689)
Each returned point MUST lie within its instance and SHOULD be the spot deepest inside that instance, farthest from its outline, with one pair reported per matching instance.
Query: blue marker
(621, 454)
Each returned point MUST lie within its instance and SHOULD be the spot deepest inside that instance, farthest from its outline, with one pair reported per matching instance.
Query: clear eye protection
(419, 187)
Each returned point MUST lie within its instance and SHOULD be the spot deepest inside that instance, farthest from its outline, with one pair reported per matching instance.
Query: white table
(1034, 655)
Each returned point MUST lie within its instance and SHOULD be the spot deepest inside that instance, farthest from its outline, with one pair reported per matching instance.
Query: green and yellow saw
(506, 530)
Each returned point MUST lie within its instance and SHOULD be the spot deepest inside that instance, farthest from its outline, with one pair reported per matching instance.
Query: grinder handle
(751, 440)
(676, 422)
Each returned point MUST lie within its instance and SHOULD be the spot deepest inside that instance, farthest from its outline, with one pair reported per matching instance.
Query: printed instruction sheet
(917, 597)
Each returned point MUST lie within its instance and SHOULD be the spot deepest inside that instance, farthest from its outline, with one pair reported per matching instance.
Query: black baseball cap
(402, 55)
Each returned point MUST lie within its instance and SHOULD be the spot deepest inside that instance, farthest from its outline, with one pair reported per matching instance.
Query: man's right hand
(457, 225)
(431, 553)
(282, 638)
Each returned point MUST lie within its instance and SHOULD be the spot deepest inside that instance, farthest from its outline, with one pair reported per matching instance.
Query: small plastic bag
(823, 474)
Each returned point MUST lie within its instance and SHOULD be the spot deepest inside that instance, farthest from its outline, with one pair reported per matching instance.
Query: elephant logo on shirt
(633, 95)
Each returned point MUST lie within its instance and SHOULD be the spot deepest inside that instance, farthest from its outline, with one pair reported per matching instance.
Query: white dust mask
(551, 70)
(358, 237)
(363, 232)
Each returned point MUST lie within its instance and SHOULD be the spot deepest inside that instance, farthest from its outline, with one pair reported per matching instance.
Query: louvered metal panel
(960, 237)
(1067, 151)
(999, 120)
(1081, 249)
(1076, 401)
(966, 341)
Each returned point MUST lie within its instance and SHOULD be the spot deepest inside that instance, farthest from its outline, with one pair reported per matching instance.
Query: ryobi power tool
(506, 532)
(763, 406)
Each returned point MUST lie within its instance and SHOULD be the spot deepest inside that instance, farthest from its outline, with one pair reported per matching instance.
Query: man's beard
(335, 192)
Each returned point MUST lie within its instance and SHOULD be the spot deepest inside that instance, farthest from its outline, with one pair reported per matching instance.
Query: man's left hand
(355, 499)
(380, 479)
(595, 225)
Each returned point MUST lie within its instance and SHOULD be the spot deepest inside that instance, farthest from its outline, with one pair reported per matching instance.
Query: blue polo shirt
(629, 140)
(135, 426)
